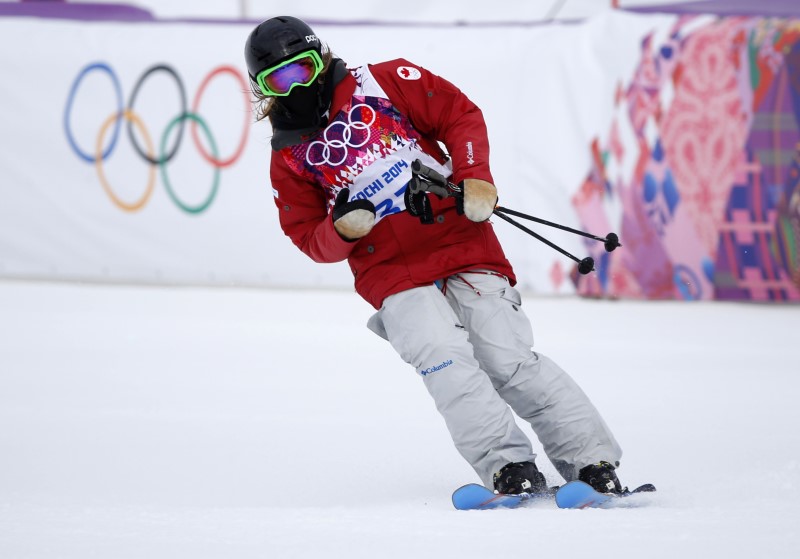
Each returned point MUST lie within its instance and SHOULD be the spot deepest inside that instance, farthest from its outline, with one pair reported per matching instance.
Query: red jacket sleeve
(304, 216)
(439, 110)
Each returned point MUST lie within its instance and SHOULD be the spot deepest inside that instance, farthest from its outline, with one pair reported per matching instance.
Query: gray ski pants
(472, 344)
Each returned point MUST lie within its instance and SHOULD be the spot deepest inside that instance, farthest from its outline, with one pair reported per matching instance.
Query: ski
(580, 495)
(572, 495)
(477, 497)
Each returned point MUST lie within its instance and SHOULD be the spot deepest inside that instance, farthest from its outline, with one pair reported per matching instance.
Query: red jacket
(400, 252)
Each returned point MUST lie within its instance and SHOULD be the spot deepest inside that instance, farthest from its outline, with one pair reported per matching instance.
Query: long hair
(263, 104)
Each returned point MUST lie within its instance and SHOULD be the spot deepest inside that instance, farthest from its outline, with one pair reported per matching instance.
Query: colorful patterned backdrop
(700, 170)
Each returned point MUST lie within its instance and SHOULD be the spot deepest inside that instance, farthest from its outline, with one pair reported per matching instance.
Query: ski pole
(584, 266)
(426, 179)
(610, 241)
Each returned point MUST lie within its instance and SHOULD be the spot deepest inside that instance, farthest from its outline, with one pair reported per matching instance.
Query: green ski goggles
(301, 70)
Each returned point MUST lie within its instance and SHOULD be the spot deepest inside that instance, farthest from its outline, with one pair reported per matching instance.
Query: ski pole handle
(426, 179)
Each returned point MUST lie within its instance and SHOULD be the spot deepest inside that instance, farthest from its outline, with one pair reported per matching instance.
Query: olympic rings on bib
(333, 150)
(148, 153)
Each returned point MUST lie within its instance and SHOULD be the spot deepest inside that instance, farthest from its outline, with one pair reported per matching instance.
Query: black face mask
(302, 104)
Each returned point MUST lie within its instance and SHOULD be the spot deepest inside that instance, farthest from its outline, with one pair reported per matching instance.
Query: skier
(343, 143)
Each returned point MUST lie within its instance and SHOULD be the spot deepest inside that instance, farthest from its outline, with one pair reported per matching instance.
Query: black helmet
(277, 39)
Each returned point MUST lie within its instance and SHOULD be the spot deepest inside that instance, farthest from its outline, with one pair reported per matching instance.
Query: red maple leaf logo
(404, 72)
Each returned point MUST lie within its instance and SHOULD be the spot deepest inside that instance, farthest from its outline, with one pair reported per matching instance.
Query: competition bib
(368, 147)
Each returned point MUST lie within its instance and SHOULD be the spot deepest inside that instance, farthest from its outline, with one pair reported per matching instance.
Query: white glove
(480, 198)
(352, 220)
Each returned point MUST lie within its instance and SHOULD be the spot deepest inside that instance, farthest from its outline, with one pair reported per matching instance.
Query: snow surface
(146, 422)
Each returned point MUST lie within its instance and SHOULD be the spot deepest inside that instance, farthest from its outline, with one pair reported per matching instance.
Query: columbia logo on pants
(425, 372)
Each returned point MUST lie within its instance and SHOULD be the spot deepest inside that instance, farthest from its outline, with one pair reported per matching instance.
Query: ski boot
(602, 478)
(519, 477)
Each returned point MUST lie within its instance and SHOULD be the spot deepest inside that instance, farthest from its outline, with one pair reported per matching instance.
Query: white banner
(153, 197)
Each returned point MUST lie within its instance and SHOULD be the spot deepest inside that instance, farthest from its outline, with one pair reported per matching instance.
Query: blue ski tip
(579, 495)
(478, 497)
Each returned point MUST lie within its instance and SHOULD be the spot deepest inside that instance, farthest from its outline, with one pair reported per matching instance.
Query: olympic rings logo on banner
(316, 156)
(147, 152)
